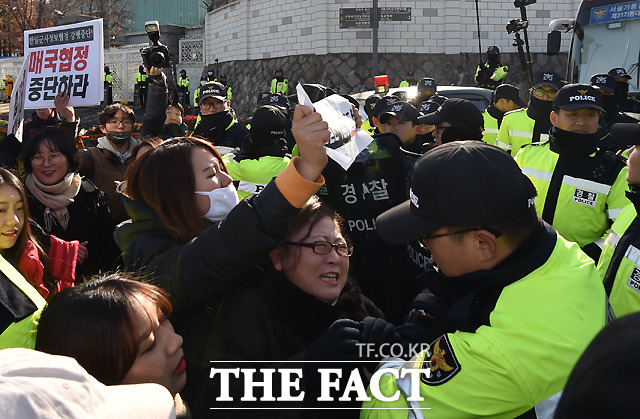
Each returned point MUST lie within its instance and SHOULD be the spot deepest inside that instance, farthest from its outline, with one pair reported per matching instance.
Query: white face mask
(221, 201)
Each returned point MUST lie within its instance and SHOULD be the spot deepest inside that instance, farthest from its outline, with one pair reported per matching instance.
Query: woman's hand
(311, 133)
(83, 253)
(61, 102)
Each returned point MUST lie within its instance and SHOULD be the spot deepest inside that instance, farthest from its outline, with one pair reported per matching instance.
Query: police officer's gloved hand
(378, 331)
(426, 321)
(484, 74)
(338, 343)
(374, 333)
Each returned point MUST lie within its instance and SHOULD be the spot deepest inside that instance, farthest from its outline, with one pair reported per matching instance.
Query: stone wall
(351, 73)
(251, 38)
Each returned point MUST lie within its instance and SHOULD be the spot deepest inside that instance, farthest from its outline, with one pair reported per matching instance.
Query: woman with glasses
(289, 314)
(66, 205)
(190, 233)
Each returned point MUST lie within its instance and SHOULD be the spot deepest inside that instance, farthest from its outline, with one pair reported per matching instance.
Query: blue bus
(604, 34)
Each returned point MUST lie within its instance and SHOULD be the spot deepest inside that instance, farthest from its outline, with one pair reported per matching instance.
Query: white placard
(346, 142)
(64, 58)
(16, 107)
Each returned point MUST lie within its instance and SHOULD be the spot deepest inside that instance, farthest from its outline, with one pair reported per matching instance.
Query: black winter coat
(273, 321)
(89, 220)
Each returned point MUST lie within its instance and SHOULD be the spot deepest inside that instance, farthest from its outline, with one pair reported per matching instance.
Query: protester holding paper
(187, 231)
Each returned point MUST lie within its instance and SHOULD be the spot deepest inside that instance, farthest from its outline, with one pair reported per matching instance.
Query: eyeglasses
(323, 247)
(466, 230)
(441, 128)
(216, 104)
(39, 160)
(542, 92)
(116, 122)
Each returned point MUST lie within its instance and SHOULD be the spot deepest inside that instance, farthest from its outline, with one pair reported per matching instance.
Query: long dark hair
(13, 254)
(163, 179)
(95, 324)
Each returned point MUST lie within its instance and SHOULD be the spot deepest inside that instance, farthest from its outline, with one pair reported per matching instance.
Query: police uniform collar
(495, 112)
(633, 194)
(473, 296)
(567, 142)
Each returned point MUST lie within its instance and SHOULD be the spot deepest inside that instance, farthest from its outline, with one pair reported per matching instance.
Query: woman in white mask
(190, 233)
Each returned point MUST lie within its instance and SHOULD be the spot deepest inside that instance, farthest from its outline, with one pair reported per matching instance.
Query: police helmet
(493, 49)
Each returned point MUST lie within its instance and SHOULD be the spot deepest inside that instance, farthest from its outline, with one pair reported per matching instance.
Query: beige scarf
(55, 198)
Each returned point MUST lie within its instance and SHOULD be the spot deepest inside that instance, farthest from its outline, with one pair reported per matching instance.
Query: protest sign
(346, 142)
(67, 59)
(16, 107)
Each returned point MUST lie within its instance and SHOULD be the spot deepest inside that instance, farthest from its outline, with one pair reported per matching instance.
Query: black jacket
(273, 321)
(196, 273)
(89, 220)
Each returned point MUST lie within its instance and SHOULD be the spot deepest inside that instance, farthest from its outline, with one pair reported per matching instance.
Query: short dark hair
(514, 230)
(111, 110)
(55, 140)
(178, 107)
(95, 324)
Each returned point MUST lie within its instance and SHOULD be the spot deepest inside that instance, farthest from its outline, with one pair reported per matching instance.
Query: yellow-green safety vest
(21, 334)
(585, 208)
(490, 128)
(254, 174)
(184, 82)
(140, 77)
(280, 86)
(624, 295)
(516, 130)
(540, 326)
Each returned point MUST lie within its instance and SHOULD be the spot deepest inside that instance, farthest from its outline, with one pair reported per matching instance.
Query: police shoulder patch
(442, 365)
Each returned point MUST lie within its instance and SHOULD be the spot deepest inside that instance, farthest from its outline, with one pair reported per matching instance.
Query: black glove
(427, 319)
(336, 344)
(378, 331)
(484, 74)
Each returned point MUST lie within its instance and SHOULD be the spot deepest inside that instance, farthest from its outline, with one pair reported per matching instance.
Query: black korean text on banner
(64, 59)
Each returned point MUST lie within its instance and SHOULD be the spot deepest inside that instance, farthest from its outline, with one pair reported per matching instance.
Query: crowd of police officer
(476, 231)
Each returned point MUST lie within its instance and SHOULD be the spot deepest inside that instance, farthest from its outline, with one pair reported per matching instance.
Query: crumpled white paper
(346, 142)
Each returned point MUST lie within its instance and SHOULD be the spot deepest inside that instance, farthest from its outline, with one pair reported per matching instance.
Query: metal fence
(123, 63)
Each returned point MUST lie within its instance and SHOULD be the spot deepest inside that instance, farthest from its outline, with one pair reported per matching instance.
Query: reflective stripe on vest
(633, 254)
(540, 174)
(546, 408)
(571, 181)
(414, 411)
(529, 135)
(504, 146)
(612, 239)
